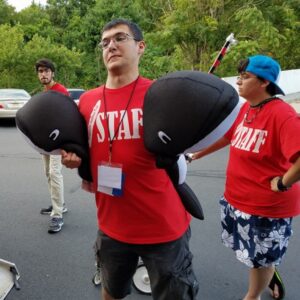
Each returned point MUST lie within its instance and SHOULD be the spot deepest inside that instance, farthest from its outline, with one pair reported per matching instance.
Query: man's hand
(70, 159)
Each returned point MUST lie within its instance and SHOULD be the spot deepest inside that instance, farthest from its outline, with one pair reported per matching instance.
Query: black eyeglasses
(118, 38)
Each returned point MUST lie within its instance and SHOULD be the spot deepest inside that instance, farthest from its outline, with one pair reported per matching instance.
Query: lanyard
(258, 108)
(111, 139)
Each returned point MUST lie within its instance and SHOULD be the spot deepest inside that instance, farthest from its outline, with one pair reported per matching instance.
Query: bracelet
(281, 187)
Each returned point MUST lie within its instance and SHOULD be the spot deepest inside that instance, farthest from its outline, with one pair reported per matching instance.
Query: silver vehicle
(11, 100)
(75, 93)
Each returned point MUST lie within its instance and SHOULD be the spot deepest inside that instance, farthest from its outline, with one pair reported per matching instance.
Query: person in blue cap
(262, 191)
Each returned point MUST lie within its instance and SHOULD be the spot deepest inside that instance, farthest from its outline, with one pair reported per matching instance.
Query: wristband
(281, 187)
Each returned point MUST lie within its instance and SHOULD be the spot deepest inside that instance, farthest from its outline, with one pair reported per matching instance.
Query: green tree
(10, 54)
(179, 34)
(186, 32)
(7, 13)
(68, 63)
(265, 27)
(17, 60)
(35, 20)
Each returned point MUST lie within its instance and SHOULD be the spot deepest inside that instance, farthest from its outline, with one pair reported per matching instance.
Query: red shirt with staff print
(150, 210)
(264, 143)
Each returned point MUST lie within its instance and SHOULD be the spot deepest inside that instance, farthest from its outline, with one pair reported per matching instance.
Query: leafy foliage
(179, 34)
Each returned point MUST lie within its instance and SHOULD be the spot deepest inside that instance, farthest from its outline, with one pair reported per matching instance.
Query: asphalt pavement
(61, 266)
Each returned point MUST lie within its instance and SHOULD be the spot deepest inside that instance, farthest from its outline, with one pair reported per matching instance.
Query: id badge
(110, 179)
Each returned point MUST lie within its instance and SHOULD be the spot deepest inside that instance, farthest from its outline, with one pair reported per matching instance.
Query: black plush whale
(51, 121)
(183, 112)
(186, 111)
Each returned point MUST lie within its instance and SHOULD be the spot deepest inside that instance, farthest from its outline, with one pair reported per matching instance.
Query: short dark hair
(46, 63)
(133, 27)
(242, 65)
(271, 89)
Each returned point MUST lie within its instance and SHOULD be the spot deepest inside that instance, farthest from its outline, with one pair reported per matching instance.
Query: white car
(75, 93)
(11, 100)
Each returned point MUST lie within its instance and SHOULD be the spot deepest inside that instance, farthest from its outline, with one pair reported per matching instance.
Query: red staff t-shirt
(264, 143)
(59, 88)
(150, 210)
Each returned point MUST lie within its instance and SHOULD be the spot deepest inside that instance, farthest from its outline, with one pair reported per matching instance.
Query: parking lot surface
(61, 266)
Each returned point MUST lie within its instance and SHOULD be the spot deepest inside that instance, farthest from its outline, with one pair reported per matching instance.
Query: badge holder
(110, 179)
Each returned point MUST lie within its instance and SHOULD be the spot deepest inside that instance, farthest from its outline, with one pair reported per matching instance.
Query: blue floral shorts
(257, 241)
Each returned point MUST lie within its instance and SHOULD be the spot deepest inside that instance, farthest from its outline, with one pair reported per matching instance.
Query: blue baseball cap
(266, 68)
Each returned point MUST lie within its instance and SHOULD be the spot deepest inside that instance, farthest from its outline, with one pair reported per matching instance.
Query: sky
(20, 4)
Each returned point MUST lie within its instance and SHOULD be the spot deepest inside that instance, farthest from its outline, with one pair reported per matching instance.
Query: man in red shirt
(52, 163)
(139, 211)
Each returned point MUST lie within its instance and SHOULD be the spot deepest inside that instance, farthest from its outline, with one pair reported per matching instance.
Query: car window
(13, 94)
(75, 94)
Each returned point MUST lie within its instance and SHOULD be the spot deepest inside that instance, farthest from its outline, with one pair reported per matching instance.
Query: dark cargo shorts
(169, 267)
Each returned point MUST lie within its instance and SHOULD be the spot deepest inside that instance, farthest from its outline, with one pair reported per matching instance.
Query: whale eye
(54, 134)
(163, 137)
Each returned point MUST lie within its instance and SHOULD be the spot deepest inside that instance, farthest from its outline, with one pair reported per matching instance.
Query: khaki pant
(52, 167)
